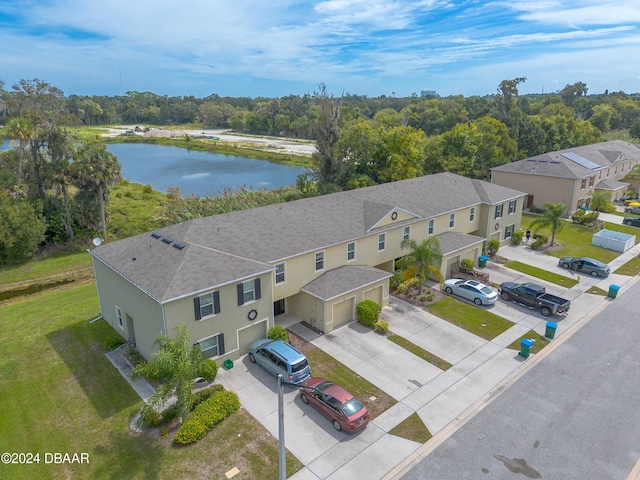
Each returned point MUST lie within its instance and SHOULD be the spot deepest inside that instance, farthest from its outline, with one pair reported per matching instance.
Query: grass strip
(419, 351)
(540, 341)
(413, 428)
(542, 274)
(473, 319)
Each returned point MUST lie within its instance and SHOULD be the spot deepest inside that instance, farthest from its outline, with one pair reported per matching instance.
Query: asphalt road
(574, 415)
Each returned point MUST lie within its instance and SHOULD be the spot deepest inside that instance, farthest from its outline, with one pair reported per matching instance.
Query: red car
(334, 402)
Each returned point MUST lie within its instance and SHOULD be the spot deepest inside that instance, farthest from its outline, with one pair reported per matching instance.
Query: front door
(278, 307)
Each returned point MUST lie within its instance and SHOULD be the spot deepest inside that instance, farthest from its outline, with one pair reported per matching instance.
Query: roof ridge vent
(156, 234)
(167, 239)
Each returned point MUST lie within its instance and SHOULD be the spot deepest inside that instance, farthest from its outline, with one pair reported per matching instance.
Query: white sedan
(476, 292)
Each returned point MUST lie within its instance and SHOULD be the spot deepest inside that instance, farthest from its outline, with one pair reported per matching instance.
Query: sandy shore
(286, 145)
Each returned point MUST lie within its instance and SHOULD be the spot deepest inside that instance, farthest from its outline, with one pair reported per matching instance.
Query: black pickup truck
(534, 296)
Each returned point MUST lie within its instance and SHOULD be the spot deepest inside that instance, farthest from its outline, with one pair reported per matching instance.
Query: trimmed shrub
(467, 264)
(382, 326)
(395, 280)
(278, 333)
(406, 286)
(430, 297)
(409, 273)
(113, 341)
(209, 370)
(205, 394)
(211, 411)
(539, 240)
(367, 312)
(516, 237)
(578, 216)
(492, 247)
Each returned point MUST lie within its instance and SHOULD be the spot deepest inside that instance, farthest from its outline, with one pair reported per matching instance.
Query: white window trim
(472, 214)
(431, 226)
(284, 272)
(119, 318)
(253, 290)
(384, 242)
(513, 229)
(406, 232)
(354, 252)
(515, 207)
(213, 307)
(315, 261)
(217, 344)
(452, 220)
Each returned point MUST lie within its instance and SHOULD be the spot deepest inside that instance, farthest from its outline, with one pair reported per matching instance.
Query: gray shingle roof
(342, 280)
(232, 246)
(554, 164)
(451, 242)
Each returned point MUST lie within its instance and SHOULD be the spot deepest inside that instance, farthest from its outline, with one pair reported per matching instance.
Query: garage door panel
(343, 312)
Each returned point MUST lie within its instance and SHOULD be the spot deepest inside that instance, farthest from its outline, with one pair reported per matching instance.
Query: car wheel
(304, 399)
(564, 265)
(448, 290)
(545, 311)
(252, 359)
(477, 301)
(336, 425)
(506, 296)
(594, 273)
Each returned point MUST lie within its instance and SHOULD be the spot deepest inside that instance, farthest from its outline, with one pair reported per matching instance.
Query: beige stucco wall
(543, 189)
(145, 313)
(230, 319)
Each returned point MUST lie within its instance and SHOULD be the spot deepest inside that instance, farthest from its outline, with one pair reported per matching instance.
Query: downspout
(164, 319)
(324, 316)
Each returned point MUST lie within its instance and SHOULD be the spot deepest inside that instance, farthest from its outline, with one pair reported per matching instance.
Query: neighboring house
(572, 175)
(230, 277)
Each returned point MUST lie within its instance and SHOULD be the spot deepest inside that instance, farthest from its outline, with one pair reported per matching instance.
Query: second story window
(406, 233)
(591, 180)
(351, 251)
(319, 261)
(512, 207)
(207, 304)
(498, 211)
(249, 291)
(381, 240)
(431, 227)
(584, 183)
(280, 275)
(472, 214)
(452, 220)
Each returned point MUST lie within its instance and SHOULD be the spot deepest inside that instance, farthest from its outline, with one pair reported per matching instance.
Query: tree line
(55, 189)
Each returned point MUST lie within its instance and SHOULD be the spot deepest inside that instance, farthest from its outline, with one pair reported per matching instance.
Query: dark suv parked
(633, 221)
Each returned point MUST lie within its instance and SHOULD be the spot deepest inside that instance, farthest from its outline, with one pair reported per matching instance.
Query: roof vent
(156, 234)
(179, 245)
(167, 239)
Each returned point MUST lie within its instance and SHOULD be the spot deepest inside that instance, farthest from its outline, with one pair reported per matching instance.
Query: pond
(201, 173)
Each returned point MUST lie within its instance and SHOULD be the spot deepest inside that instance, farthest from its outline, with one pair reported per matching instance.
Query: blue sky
(280, 47)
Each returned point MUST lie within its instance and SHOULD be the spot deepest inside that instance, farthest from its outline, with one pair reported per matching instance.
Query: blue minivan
(279, 357)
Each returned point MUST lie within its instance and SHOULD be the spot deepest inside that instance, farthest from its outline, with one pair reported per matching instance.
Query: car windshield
(322, 385)
(486, 290)
(352, 406)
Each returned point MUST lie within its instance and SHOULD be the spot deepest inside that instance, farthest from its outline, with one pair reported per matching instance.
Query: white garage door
(374, 294)
(343, 312)
(249, 334)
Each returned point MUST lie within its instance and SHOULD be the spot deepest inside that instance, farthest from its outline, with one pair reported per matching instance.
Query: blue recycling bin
(613, 291)
(550, 331)
(525, 347)
(482, 260)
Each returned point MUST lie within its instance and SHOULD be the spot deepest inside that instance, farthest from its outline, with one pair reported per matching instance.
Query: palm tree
(599, 200)
(177, 365)
(424, 257)
(22, 130)
(97, 169)
(551, 217)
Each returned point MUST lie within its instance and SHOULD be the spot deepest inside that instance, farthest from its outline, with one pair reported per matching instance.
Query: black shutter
(221, 344)
(196, 307)
(216, 302)
(257, 287)
(240, 295)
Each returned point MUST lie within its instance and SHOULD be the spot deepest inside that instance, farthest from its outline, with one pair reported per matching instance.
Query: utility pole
(281, 451)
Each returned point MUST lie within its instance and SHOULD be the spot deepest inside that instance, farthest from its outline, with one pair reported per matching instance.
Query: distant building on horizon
(424, 93)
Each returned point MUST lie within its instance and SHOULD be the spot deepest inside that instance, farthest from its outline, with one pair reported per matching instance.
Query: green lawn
(60, 394)
(476, 320)
(420, 352)
(542, 274)
(540, 342)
